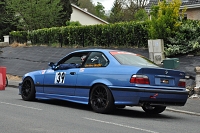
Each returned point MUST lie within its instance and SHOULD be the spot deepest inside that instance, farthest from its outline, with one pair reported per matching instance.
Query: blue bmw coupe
(107, 79)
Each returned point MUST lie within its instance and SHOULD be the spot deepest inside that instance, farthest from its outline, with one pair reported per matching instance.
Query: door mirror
(51, 64)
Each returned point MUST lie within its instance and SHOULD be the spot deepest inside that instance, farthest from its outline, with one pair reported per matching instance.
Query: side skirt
(76, 99)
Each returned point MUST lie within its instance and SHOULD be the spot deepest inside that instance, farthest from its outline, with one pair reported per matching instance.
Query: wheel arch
(101, 82)
(29, 75)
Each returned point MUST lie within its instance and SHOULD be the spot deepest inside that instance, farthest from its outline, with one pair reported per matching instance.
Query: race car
(107, 79)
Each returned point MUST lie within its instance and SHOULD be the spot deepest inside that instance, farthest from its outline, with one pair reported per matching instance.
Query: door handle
(72, 73)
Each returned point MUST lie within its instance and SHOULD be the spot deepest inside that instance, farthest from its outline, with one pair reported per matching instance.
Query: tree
(129, 10)
(36, 14)
(88, 5)
(99, 11)
(7, 20)
(75, 2)
(135, 4)
(131, 7)
(65, 13)
(165, 19)
(117, 14)
(141, 15)
(125, 10)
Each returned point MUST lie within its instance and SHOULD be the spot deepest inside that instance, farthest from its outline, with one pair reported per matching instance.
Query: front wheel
(153, 109)
(28, 89)
(101, 99)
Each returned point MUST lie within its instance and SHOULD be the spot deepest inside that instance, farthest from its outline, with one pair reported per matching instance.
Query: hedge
(131, 34)
(126, 34)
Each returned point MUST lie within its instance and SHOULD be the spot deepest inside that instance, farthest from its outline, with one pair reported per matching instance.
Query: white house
(84, 17)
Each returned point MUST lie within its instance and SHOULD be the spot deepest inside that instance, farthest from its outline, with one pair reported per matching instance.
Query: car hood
(38, 72)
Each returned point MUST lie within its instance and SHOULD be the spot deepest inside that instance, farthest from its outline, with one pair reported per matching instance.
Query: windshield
(127, 58)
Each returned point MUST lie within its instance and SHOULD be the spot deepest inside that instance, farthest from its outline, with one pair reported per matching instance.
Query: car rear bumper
(140, 96)
(166, 99)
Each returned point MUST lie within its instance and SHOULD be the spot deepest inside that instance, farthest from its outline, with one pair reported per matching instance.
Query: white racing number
(60, 78)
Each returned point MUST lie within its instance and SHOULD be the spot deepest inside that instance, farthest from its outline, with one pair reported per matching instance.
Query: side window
(74, 59)
(96, 59)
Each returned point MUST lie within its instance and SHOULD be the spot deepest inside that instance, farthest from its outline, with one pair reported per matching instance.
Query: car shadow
(125, 112)
(135, 113)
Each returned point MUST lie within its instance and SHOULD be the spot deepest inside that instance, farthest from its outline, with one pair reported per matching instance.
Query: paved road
(18, 116)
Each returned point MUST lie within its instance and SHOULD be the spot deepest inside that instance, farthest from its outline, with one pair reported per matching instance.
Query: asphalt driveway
(20, 60)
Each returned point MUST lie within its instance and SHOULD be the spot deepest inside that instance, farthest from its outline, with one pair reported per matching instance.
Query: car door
(60, 82)
(61, 77)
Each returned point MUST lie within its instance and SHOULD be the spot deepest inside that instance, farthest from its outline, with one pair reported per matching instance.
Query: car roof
(97, 49)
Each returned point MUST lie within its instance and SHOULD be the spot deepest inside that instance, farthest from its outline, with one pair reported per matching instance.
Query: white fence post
(6, 38)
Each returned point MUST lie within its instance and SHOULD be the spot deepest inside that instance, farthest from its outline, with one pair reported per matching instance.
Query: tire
(28, 89)
(6, 81)
(101, 99)
(153, 109)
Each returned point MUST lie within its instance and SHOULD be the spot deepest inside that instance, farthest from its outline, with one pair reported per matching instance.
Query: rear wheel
(101, 99)
(153, 109)
(28, 89)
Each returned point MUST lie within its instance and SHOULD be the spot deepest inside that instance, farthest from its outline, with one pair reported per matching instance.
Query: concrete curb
(14, 84)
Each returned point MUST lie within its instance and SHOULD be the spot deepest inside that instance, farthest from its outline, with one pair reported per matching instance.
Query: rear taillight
(139, 79)
(181, 83)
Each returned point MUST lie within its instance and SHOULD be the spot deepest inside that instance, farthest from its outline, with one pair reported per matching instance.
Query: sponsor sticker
(81, 69)
(43, 71)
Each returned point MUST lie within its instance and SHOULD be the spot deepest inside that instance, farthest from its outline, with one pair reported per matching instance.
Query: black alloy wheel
(28, 89)
(101, 99)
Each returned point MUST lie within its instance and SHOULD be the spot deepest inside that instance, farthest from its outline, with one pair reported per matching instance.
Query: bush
(73, 23)
(185, 40)
(19, 36)
(165, 19)
(131, 34)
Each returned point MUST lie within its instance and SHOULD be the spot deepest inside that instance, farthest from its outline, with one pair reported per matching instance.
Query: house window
(184, 17)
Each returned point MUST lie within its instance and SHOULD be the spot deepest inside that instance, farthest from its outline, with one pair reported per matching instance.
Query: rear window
(127, 58)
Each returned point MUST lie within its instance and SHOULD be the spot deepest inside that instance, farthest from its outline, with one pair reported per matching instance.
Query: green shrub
(73, 23)
(165, 19)
(131, 34)
(19, 36)
(185, 40)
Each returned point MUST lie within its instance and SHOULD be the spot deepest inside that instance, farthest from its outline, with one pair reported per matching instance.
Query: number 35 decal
(60, 78)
